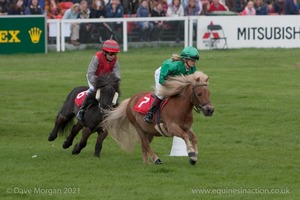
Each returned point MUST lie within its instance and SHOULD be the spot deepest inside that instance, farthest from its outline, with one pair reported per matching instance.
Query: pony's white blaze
(116, 96)
(98, 95)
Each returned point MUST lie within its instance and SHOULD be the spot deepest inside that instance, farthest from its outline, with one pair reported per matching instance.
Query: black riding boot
(86, 102)
(155, 105)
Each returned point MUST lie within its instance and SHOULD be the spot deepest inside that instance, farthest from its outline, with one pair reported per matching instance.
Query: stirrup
(148, 118)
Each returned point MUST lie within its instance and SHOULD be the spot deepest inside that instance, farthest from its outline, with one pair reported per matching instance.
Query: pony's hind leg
(145, 144)
(86, 132)
(101, 136)
(154, 156)
(58, 122)
(75, 130)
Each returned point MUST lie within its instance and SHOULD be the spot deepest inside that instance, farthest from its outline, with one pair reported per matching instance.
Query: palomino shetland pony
(184, 93)
(107, 88)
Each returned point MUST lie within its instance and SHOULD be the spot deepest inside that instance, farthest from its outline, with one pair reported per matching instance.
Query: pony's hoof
(193, 162)
(75, 150)
(66, 145)
(193, 158)
(51, 138)
(97, 155)
(158, 162)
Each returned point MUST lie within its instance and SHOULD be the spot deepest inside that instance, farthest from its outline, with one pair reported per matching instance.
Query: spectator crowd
(103, 8)
(74, 9)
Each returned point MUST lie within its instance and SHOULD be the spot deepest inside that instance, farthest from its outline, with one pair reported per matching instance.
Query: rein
(197, 106)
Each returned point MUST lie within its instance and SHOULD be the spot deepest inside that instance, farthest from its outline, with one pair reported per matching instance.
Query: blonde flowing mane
(177, 84)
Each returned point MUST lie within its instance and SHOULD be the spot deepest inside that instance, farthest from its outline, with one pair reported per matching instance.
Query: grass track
(249, 147)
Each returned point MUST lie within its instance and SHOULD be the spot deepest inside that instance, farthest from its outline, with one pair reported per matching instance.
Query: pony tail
(175, 57)
(120, 129)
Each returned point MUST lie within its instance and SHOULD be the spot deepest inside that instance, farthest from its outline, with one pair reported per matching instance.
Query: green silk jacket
(173, 68)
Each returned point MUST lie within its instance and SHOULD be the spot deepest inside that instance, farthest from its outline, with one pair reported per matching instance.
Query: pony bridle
(197, 105)
(114, 101)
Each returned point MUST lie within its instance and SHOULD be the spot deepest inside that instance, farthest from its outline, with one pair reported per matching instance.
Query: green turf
(249, 149)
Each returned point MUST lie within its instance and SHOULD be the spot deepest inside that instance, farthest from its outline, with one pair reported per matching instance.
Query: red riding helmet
(111, 46)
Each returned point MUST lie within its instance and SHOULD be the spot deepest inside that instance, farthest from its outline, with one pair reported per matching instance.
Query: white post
(191, 28)
(125, 42)
(62, 36)
(186, 34)
(178, 147)
(58, 32)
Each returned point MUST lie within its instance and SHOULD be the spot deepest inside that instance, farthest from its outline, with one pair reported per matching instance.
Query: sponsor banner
(250, 32)
(22, 34)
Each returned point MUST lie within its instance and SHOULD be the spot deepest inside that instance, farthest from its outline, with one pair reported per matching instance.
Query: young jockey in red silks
(103, 62)
(175, 66)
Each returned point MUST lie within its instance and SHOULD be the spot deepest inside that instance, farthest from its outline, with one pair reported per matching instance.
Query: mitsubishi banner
(23, 34)
(249, 32)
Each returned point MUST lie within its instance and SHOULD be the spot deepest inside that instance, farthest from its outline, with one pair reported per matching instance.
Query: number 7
(147, 99)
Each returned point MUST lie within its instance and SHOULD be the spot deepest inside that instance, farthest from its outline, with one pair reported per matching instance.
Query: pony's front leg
(79, 146)
(194, 140)
(192, 153)
(101, 136)
(176, 130)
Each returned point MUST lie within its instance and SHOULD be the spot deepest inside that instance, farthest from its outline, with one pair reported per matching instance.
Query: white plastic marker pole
(178, 147)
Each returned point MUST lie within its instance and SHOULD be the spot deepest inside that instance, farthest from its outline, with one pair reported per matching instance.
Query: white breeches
(157, 84)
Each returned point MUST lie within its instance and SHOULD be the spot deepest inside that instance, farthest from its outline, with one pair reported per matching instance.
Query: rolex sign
(22, 34)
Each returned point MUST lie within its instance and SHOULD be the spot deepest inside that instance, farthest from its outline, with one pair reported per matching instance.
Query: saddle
(144, 104)
(80, 98)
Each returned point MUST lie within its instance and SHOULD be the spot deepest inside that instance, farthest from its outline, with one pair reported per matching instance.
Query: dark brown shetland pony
(184, 93)
(106, 86)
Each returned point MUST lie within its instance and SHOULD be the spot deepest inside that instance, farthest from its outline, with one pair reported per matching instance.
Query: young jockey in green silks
(175, 66)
